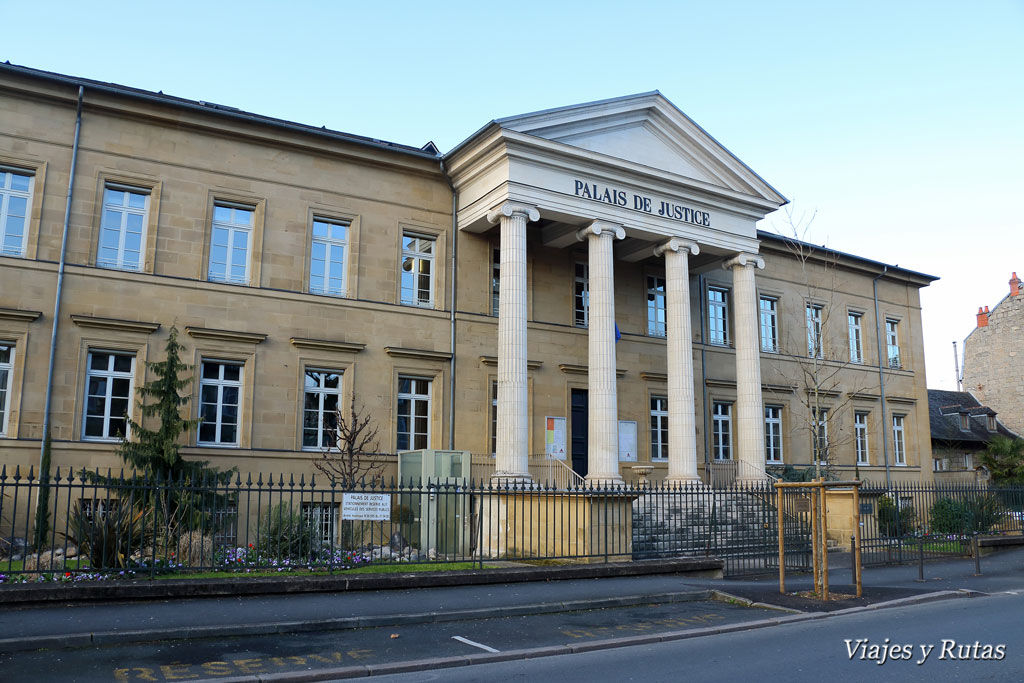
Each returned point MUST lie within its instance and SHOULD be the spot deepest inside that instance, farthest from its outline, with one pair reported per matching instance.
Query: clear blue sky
(899, 124)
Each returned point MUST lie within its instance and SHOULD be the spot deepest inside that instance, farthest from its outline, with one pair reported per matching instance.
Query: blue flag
(618, 335)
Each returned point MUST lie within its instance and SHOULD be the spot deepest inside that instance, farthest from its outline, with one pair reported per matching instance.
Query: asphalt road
(809, 651)
(211, 658)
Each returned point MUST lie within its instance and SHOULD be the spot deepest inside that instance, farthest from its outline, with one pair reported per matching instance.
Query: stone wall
(994, 361)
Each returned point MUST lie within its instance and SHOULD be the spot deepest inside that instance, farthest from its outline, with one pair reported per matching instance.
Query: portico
(628, 180)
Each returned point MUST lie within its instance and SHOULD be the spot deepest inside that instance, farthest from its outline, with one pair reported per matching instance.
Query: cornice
(571, 369)
(327, 345)
(654, 376)
(419, 354)
(901, 399)
(114, 324)
(225, 335)
(19, 314)
(492, 361)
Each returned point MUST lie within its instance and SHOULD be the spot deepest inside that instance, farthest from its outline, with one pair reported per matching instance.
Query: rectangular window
(892, 342)
(814, 341)
(320, 409)
(718, 316)
(220, 389)
(939, 464)
(108, 395)
(773, 434)
(581, 295)
(6, 375)
(856, 339)
(991, 419)
(97, 509)
(659, 428)
(327, 257)
(899, 448)
(122, 228)
(413, 413)
(494, 418)
(655, 306)
(495, 280)
(860, 429)
(721, 418)
(417, 274)
(968, 461)
(965, 422)
(230, 243)
(322, 520)
(821, 444)
(15, 198)
(769, 324)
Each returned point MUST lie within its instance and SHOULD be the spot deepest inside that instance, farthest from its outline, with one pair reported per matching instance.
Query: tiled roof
(944, 408)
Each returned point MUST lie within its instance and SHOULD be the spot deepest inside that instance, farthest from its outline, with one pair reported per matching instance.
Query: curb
(21, 644)
(550, 651)
(21, 595)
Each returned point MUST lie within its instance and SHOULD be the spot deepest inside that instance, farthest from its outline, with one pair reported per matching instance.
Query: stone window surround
(115, 341)
(436, 375)
(659, 274)
(14, 328)
(662, 394)
(258, 206)
(775, 420)
(347, 370)
(728, 419)
(898, 433)
(6, 387)
(860, 315)
(857, 428)
(333, 214)
(37, 169)
(438, 284)
(777, 298)
(110, 375)
(224, 354)
(147, 184)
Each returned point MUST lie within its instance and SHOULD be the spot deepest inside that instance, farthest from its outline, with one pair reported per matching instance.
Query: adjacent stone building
(961, 429)
(584, 283)
(994, 357)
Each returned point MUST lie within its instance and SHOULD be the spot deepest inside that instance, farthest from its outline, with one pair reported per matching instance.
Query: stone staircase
(724, 524)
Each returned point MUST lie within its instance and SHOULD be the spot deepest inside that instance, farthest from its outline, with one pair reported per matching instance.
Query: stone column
(603, 420)
(512, 455)
(749, 409)
(682, 433)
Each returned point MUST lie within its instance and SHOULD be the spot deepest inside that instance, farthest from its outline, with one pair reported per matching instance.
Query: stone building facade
(586, 282)
(994, 357)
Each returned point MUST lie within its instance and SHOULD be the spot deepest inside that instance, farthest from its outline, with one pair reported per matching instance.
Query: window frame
(6, 194)
(7, 388)
(124, 210)
(892, 341)
(899, 443)
(815, 330)
(773, 430)
(721, 425)
(656, 304)
(581, 295)
(991, 423)
(495, 280)
(109, 374)
(659, 427)
(233, 229)
(855, 332)
(221, 384)
(493, 413)
(414, 398)
(312, 514)
(330, 244)
(771, 316)
(321, 392)
(722, 307)
(417, 258)
(860, 437)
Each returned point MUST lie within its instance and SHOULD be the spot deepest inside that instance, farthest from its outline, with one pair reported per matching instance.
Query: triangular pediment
(648, 130)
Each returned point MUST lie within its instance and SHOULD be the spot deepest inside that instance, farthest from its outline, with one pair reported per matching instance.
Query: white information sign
(371, 506)
(627, 440)
(554, 437)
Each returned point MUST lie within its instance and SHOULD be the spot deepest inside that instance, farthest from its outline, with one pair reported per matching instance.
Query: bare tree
(352, 455)
(825, 390)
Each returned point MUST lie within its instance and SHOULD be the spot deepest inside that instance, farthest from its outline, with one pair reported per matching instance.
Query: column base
(513, 479)
(609, 479)
(689, 481)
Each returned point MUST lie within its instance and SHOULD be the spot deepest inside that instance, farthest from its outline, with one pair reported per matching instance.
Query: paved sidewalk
(79, 624)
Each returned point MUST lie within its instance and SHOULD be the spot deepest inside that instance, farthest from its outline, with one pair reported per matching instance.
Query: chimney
(1014, 284)
(982, 316)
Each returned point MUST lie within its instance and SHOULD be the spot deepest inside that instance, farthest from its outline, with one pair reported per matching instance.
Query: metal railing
(111, 524)
(544, 470)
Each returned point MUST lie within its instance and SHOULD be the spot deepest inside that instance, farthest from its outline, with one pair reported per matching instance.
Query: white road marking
(467, 641)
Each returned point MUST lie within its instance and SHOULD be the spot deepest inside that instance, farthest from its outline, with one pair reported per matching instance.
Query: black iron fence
(104, 524)
(905, 521)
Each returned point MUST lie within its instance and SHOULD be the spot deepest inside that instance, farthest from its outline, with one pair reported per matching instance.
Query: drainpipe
(881, 378)
(42, 509)
(451, 319)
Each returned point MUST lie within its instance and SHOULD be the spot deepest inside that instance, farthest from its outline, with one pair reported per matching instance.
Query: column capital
(509, 209)
(744, 259)
(598, 228)
(677, 244)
